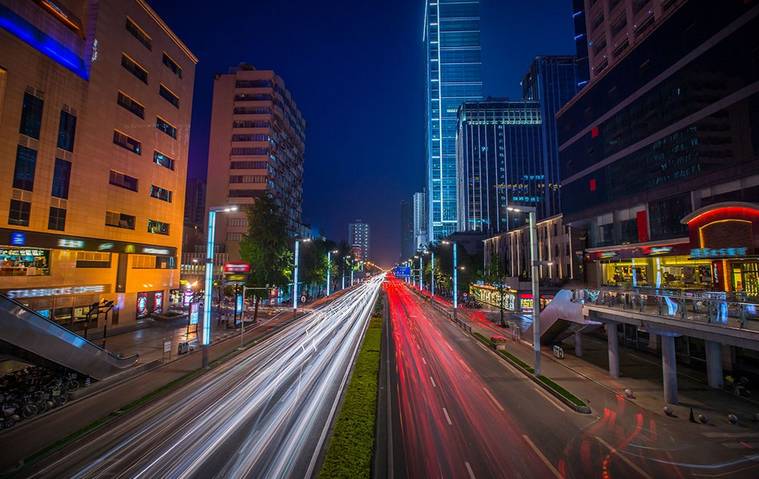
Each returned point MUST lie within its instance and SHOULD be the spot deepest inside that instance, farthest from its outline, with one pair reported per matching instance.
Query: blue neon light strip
(41, 42)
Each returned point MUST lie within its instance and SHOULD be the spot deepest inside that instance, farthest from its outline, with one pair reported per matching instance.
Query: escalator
(561, 318)
(32, 338)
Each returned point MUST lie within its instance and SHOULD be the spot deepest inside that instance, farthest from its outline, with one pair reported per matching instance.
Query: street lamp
(535, 272)
(345, 261)
(421, 271)
(295, 272)
(455, 276)
(206, 340)
(329, 266)
(432, 274)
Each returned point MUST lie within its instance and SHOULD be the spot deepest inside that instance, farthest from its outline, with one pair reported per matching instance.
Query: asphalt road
(264, 414)
(457, 410)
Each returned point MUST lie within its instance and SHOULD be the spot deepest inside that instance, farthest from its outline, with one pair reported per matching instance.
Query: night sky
(356, 70)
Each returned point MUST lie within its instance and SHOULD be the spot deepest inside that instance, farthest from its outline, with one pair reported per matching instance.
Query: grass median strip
(351, 447)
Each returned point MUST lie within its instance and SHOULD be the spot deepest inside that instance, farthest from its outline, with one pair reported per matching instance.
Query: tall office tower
(614, 27)
(421, 238)
(358, 239)
(95, 103)
(552, 82)
(660, 168)
(452, 41)
(581, 42)
(195, 202)
(257, 146)
(500, 163)
(407, 229)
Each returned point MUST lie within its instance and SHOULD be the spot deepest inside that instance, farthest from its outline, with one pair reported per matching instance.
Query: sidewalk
(641, 374)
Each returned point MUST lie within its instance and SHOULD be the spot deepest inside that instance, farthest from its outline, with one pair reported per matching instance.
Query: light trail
(260, 416)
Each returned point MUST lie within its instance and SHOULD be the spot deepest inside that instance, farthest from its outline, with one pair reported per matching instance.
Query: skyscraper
(358, 239)
(452, 41)
(499, 163)
(257, 147)
(407, 229)
(581, 42)
(420, 220)
(552, 81)
(95, 105)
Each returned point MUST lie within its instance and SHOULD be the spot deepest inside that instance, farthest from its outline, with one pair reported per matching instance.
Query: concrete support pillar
(652, 343)
(611, 332)
(714, 364)
(578, 344)
(669, 368)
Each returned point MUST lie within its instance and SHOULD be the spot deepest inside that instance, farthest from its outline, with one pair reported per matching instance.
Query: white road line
(492, 398)
(448, 346)
(548, 398)
(614, 450)
(433, 382)
(447, 417)
(730, 435)
(542, 457)
(465, 365)
(469, 470)
(424, 360)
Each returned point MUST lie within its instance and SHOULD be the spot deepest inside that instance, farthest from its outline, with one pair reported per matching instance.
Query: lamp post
(535, 272)
(432, 274)
(295, 272)
(206, 340)
(455, 276)
(329, 266)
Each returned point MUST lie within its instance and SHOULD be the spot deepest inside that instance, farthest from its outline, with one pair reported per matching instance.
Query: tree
(495, 276)
(313, 262)
(266, 246)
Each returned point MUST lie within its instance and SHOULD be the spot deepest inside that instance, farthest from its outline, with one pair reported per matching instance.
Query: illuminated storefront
(514, 301)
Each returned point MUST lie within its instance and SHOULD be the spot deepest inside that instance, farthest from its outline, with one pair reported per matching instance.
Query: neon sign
(65, 291)
(718, 252)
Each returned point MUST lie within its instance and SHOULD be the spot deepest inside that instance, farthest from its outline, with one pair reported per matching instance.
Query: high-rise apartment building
(95, 102)
(452, 41)
(581, 42)
(421, 222)
(500, 163)
(552, 82)
(407, 229)
(358, 239)
(612, 27)
(256, 147)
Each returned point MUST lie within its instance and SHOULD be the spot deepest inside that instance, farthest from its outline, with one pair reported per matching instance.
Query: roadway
(264, 414)
(457, 410)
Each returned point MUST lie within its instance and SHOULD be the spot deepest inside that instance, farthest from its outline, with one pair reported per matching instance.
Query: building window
(160, 193)
(231, 236)
(31, 116)
(172, 65)
(66, 131)
(93, 259)
(131, 104)
(253, 83)
(251, 124)
(61, 178)
(158, 227)
(56, 220)
(124, 181)
(247, 179)
(127, 142)
(245, 193)
(134, 68)
(250, 137)
(248, 165)
(119, 220)
(168, 96)
(163, 160)
(166, 127)
(26, 162)
(19, 213)
(143, 261)
(249, 151)
(251, 110)
(139, 33)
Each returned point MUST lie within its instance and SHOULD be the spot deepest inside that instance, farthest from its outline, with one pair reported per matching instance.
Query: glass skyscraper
(452, 42)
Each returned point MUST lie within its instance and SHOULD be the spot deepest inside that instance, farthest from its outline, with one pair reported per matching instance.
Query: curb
(582, 409)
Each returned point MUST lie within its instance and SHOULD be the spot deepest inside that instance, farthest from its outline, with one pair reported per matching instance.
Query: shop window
(31, 116)
(56, 219)
(66, 131)
(24, 262)
(19, 213)
(26, 163)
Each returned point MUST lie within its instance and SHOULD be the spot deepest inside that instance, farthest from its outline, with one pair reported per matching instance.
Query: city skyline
(330, 167)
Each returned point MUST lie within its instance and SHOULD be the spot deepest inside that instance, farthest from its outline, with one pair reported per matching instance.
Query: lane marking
(542, 457)
(447, 417)
(492, 398)
(433, 382)
(730, 435)
(469, 470)
(424, 360)
(614, 451)
(449, 346)
(465, 365)
(548, 398)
